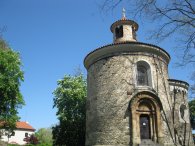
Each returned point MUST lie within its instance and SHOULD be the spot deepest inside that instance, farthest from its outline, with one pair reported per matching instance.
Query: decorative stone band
(132, 48)
(178, 86)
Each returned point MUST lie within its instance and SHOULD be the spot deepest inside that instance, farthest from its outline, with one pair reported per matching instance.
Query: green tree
(44, 136)
(192, 112)
(31, 140)
(11, 76)
(69, 100)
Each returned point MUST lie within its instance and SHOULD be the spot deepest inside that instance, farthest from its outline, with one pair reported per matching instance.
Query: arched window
(143, 74)
(183, 114)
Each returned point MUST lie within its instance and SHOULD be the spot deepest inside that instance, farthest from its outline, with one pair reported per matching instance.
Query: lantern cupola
(124, 30)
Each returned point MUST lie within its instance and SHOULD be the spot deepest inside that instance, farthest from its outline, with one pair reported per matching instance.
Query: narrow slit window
(182, 111)
(119, 32)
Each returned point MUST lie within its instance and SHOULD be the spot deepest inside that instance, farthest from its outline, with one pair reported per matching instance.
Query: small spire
(123, 14)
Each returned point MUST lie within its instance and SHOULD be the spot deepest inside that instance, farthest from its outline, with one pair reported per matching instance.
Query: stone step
(148, 142)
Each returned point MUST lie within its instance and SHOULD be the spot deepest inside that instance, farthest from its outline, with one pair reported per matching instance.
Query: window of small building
(119, 31)
(26, 134)
(143, 74)
(13, 134)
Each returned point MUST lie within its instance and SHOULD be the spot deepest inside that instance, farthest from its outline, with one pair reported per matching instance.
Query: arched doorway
(146, 118)
(145, 127)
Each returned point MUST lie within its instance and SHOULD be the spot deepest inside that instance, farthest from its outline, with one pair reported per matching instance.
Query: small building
(23, 130)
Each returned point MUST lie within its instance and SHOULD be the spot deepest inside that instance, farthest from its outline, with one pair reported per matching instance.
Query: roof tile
(24, 125)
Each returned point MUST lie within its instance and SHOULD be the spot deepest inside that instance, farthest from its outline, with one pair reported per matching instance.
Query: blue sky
(53, 37)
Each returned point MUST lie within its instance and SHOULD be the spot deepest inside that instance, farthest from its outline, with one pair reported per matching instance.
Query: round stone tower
(129, 101)
(179, 94)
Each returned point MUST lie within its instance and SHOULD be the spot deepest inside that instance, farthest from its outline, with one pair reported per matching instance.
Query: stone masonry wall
(183, 132)
(127, 34)
(111, 85)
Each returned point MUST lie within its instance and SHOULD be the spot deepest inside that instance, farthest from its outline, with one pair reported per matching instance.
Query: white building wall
(18, 138)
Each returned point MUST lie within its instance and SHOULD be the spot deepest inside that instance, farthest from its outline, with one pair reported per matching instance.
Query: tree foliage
(11, 77)
(172, 17)
(31, 140)
(44, 135)
(193, 86)
(69, 100)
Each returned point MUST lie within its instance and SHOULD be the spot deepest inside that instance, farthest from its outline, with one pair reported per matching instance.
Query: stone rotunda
(130, 99)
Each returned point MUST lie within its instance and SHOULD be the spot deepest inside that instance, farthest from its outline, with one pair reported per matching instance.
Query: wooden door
(144, 127)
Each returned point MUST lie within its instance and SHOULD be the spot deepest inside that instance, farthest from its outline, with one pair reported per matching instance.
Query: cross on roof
(124, 13)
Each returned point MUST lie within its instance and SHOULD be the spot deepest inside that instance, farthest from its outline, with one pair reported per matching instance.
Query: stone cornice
(124, 47)
(178, 84)
(123, 22)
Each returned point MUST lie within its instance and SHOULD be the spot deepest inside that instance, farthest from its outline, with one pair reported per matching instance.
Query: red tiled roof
(24, 125)
(20, 125)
